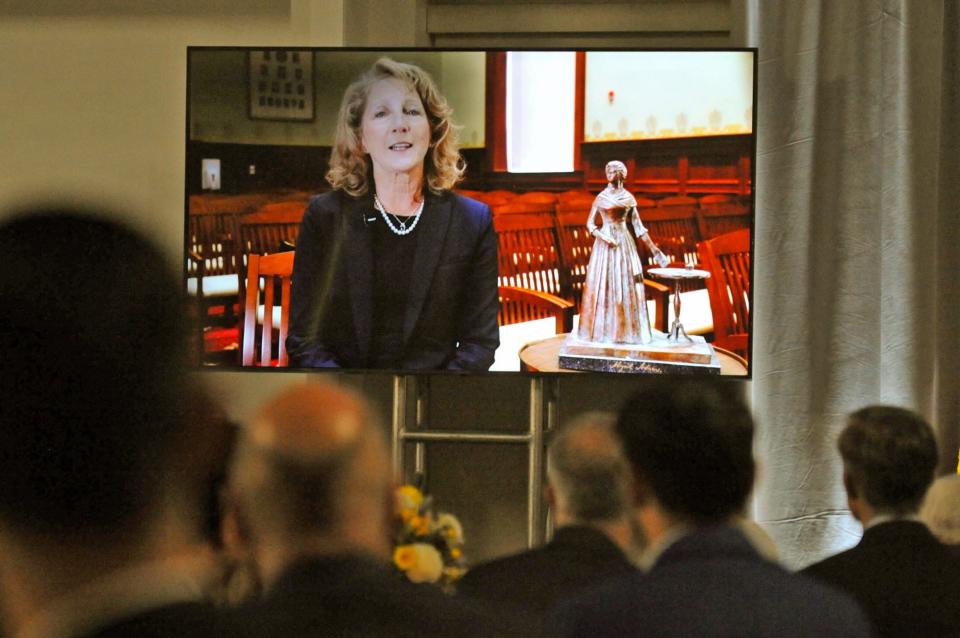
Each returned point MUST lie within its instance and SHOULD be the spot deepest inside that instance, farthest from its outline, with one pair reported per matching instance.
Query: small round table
(675, 275)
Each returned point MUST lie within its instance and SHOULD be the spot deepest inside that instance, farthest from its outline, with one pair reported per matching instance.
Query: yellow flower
(451, 527)
(404, 556)
(427, 564)
(455, 552)
(409, 499)
(420, 525)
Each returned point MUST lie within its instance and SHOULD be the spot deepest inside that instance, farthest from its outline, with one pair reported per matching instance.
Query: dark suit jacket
(538, 579)
(353, 596)
(182, 620)
(712, 583)
(451, 318)
(905, 579)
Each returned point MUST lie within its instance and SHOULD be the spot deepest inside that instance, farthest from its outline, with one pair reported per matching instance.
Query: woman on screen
(392, 270)
(613, 309)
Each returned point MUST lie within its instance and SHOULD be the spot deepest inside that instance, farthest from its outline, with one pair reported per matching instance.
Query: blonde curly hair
(350, 167)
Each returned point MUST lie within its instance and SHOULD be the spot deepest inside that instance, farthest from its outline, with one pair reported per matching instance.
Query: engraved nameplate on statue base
(660, 356)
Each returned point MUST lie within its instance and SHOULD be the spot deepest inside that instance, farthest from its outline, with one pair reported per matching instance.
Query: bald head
(313, 469)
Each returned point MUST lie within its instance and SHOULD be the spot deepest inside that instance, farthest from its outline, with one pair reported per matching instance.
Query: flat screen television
(542, 187)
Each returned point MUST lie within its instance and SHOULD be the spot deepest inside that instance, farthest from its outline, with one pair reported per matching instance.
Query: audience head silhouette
(95, 411)
(93, 343)
(689, 443)
(941, 509)
(889, 458)
(588, 488)
(903, 577)
(587, 472)
(312, 477)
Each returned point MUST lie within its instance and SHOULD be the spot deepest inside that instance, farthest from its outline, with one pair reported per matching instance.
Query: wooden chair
(211, 235)
(574, 193)
(727, 257)
(716, 198)
(515, 207)
(677, 200)
(644, 203)
(272, 228)
(522, 304)
(674, 230)
(495, 197)
(213, 281)
(273, 269)
(579, 203)
(529, 258)
(722, 216)
(536, 197)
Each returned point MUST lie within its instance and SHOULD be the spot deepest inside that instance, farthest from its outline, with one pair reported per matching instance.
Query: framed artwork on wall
(281, 85)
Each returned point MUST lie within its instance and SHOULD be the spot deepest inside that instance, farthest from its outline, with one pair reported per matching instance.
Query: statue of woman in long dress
(613, 309)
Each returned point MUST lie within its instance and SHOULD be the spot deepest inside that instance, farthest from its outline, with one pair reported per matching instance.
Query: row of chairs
(266, 313)
(220, 242)
(544, 248)
(676, 223)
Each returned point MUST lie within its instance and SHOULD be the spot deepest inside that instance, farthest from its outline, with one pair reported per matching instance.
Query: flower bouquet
(428, 546)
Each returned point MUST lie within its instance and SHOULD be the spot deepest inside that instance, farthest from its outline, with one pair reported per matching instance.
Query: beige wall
(92, 108)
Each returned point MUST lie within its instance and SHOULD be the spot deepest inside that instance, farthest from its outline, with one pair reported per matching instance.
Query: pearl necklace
(403, 229)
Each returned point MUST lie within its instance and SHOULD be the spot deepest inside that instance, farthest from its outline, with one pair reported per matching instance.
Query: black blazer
(178, 620)
(352, 596)
(712, 582)
(537, 579)
(451, 318)
(906, 580)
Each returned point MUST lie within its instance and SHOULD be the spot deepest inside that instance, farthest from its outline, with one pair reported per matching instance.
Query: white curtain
(858, 243)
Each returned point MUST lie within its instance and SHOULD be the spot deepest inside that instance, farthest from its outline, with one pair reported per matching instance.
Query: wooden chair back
(265, 231)
(576, 245)
(677, 200)
(574, 193)
(529, 258)
(727, 257)
(536, 197)
(717, 198)
(212, 236)
(722, 217)
(236, 204)
(674, 230)
(518, 305)
(518, 207)
(276, 272)
(495, 197)
(579, 203)
(527, 252)
(644, 202)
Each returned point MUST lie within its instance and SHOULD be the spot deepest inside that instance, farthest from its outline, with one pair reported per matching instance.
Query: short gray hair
(587, 468)
(941, 509)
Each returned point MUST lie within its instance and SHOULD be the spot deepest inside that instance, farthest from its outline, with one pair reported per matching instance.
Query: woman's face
(394, 129)
(615, 173)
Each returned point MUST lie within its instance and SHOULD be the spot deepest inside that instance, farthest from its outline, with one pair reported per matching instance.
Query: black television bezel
(389, 50)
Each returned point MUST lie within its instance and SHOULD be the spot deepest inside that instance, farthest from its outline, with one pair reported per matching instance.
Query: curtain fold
(855, 298)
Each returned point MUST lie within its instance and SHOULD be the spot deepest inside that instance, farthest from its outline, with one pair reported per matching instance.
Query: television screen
(471, 210)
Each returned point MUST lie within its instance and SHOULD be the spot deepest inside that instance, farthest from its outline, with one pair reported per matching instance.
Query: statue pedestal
(660, 356)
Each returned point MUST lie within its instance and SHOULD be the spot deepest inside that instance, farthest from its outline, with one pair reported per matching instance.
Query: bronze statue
(613, 309)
